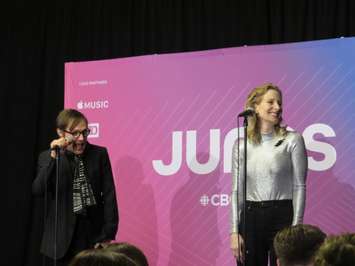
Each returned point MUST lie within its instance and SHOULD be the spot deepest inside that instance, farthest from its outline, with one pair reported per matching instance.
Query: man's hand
(61, 142)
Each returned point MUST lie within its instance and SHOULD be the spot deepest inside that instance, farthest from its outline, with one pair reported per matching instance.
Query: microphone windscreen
(247, 112)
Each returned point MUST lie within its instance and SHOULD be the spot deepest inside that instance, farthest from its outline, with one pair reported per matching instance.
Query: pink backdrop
(169, 122)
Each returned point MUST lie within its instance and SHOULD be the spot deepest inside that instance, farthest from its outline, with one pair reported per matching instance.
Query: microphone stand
(243, 218)
(244, 231)
(57, 160)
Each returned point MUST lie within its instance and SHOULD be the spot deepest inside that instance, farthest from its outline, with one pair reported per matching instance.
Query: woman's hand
(237, 246)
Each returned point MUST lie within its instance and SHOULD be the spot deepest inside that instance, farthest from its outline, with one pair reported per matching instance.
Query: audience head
(297, 245)
(130, 251)
(101, 257)
(337, 251)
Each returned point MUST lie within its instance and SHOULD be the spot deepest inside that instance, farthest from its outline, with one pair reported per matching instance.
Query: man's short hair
(70, 118)
(298, 244)
(337, 250)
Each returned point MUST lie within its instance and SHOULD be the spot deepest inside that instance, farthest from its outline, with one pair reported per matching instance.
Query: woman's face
(270, 107)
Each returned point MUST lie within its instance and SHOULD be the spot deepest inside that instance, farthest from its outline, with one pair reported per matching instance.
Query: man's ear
(60, 132)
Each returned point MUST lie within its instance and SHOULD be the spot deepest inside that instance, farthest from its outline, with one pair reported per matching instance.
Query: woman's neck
(266, 128)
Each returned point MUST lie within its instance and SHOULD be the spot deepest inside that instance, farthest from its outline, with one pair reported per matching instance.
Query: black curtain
(39, 37)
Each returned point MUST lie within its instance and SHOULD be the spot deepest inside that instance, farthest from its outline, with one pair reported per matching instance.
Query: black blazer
(103, 216)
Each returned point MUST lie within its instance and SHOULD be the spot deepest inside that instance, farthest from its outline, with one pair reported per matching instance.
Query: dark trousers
(264, 219)
(79, 242)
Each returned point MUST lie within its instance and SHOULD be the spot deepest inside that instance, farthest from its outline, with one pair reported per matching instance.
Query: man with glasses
(87, 213)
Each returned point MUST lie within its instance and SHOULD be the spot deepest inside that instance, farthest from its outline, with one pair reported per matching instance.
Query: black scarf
(83, 195)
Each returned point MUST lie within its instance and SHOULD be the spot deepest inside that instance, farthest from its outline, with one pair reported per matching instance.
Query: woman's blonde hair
(255, 97)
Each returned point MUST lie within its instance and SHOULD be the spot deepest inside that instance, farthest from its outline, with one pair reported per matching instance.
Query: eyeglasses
(76, 134)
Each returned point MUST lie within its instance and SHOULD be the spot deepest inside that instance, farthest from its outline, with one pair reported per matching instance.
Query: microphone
(68, 140)
(247, 112)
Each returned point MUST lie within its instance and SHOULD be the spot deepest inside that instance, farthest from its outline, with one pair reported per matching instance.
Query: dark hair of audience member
(101, 257)
(337, 251)
(297, 245)
(129, 250)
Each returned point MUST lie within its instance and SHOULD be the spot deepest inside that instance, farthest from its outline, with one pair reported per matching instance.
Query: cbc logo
(94, 130)
(215, 200)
